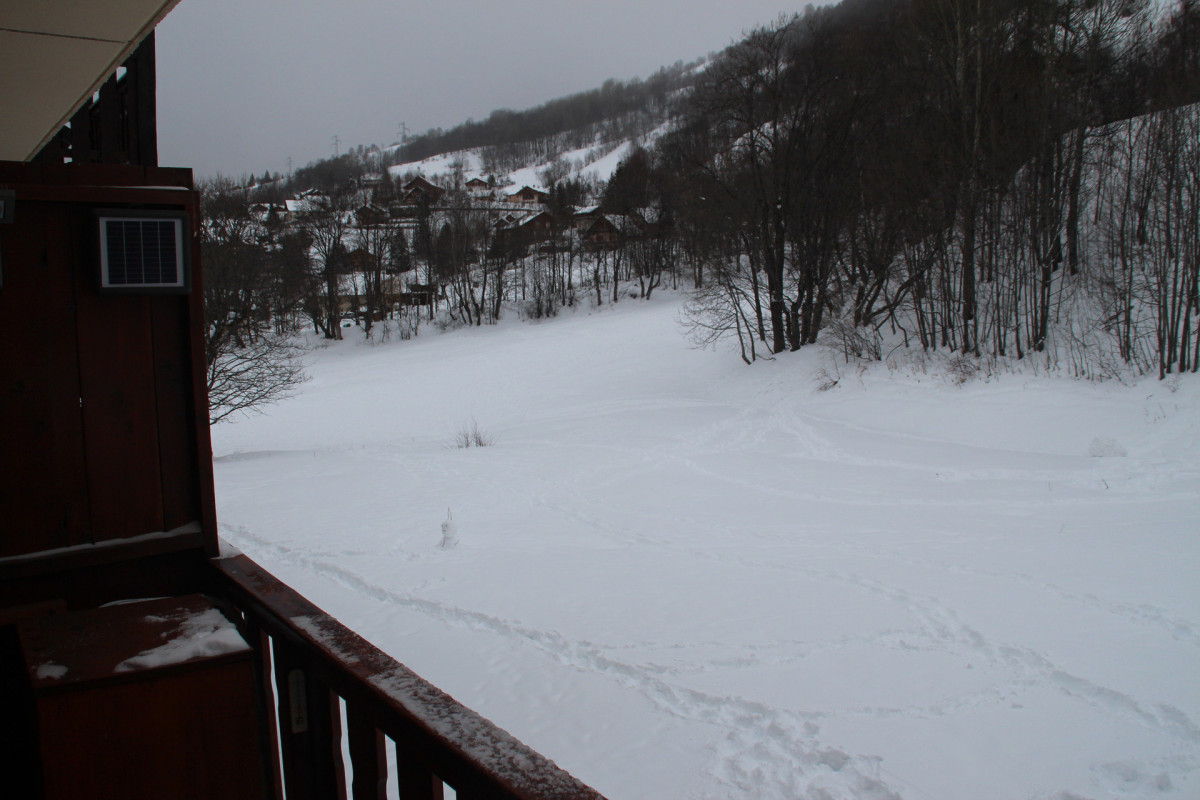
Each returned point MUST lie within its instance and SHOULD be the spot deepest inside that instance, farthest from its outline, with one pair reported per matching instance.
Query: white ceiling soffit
(54, 54)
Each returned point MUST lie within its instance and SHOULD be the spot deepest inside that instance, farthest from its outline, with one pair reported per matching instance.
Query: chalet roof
(512, 221)
(306, 204)
(601, 222)
(524, 189)
(420, 183)
(531, 218)
(66, 49)
(625, 223)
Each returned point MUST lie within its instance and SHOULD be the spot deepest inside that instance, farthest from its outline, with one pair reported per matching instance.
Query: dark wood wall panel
(103, 418)
(120, 414)
(43, 488)
(178, 462)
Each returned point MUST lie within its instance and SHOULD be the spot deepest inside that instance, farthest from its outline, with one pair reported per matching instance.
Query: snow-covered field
(681, 577)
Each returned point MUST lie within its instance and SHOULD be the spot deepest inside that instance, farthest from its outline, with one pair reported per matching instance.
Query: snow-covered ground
(681, 577)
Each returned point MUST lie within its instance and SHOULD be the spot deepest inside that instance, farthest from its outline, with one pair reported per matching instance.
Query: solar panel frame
(143, 251)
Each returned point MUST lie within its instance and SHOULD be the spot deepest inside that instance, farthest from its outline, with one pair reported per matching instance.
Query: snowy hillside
(594, 164)
(680, 577)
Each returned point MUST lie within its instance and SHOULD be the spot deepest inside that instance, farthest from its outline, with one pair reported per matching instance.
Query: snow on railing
(311, 664)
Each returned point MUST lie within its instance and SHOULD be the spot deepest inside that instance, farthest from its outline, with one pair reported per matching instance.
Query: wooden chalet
(539, 227)
(517, 235)
(584, 218)
(419, 190)
(601, 234)
(528, 195)
(228, 684)
(370, 215)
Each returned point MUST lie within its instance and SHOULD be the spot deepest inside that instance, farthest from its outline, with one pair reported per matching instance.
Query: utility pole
(402, 132)
(336, 146)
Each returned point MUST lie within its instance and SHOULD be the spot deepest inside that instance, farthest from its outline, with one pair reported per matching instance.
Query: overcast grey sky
(244, 84)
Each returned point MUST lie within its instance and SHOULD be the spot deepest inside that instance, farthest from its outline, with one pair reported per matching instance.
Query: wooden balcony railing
(308, 662)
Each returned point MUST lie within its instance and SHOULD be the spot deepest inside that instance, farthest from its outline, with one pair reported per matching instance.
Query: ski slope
(681, 577)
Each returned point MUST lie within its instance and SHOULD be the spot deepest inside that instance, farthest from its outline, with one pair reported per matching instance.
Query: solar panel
(142, 252)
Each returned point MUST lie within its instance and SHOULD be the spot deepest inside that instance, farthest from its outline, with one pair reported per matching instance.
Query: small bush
(855, 342)
(826, 378)
(960, 369)
(472, 436)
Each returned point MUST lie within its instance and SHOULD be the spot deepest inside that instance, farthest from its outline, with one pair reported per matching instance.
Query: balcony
(315, 665)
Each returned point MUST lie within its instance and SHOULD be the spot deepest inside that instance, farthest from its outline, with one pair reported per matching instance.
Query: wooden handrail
(436, 736)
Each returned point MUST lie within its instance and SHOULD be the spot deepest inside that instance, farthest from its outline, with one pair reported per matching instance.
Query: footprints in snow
(766, 746)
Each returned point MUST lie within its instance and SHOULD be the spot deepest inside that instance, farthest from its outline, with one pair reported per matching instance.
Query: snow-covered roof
(527, 188)
(532, 217)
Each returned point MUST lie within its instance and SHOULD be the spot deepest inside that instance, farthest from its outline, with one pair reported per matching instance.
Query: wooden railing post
(310, 731)
(368, 755)
(268, 724)
(413, 777)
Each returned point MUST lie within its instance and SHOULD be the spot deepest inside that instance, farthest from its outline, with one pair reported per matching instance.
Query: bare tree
(252, 356)
(327, 222)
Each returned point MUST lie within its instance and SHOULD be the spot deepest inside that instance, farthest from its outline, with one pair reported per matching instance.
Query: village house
(602, 234)
(527, 195)
(370, 215)
(478, 187)
(516, 234)
(419, 190)
(584, 218)
(371, 180)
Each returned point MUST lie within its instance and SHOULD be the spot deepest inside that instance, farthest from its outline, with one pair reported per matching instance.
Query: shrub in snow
(472, 436)
(1103, 447)
(960, 369)
(447, 321)
(826, 378)
(854, 342)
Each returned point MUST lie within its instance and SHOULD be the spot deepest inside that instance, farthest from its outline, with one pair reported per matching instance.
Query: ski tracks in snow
(765, 752)
(769, 751)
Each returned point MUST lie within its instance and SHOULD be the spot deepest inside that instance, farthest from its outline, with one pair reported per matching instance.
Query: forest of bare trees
(995, 179)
